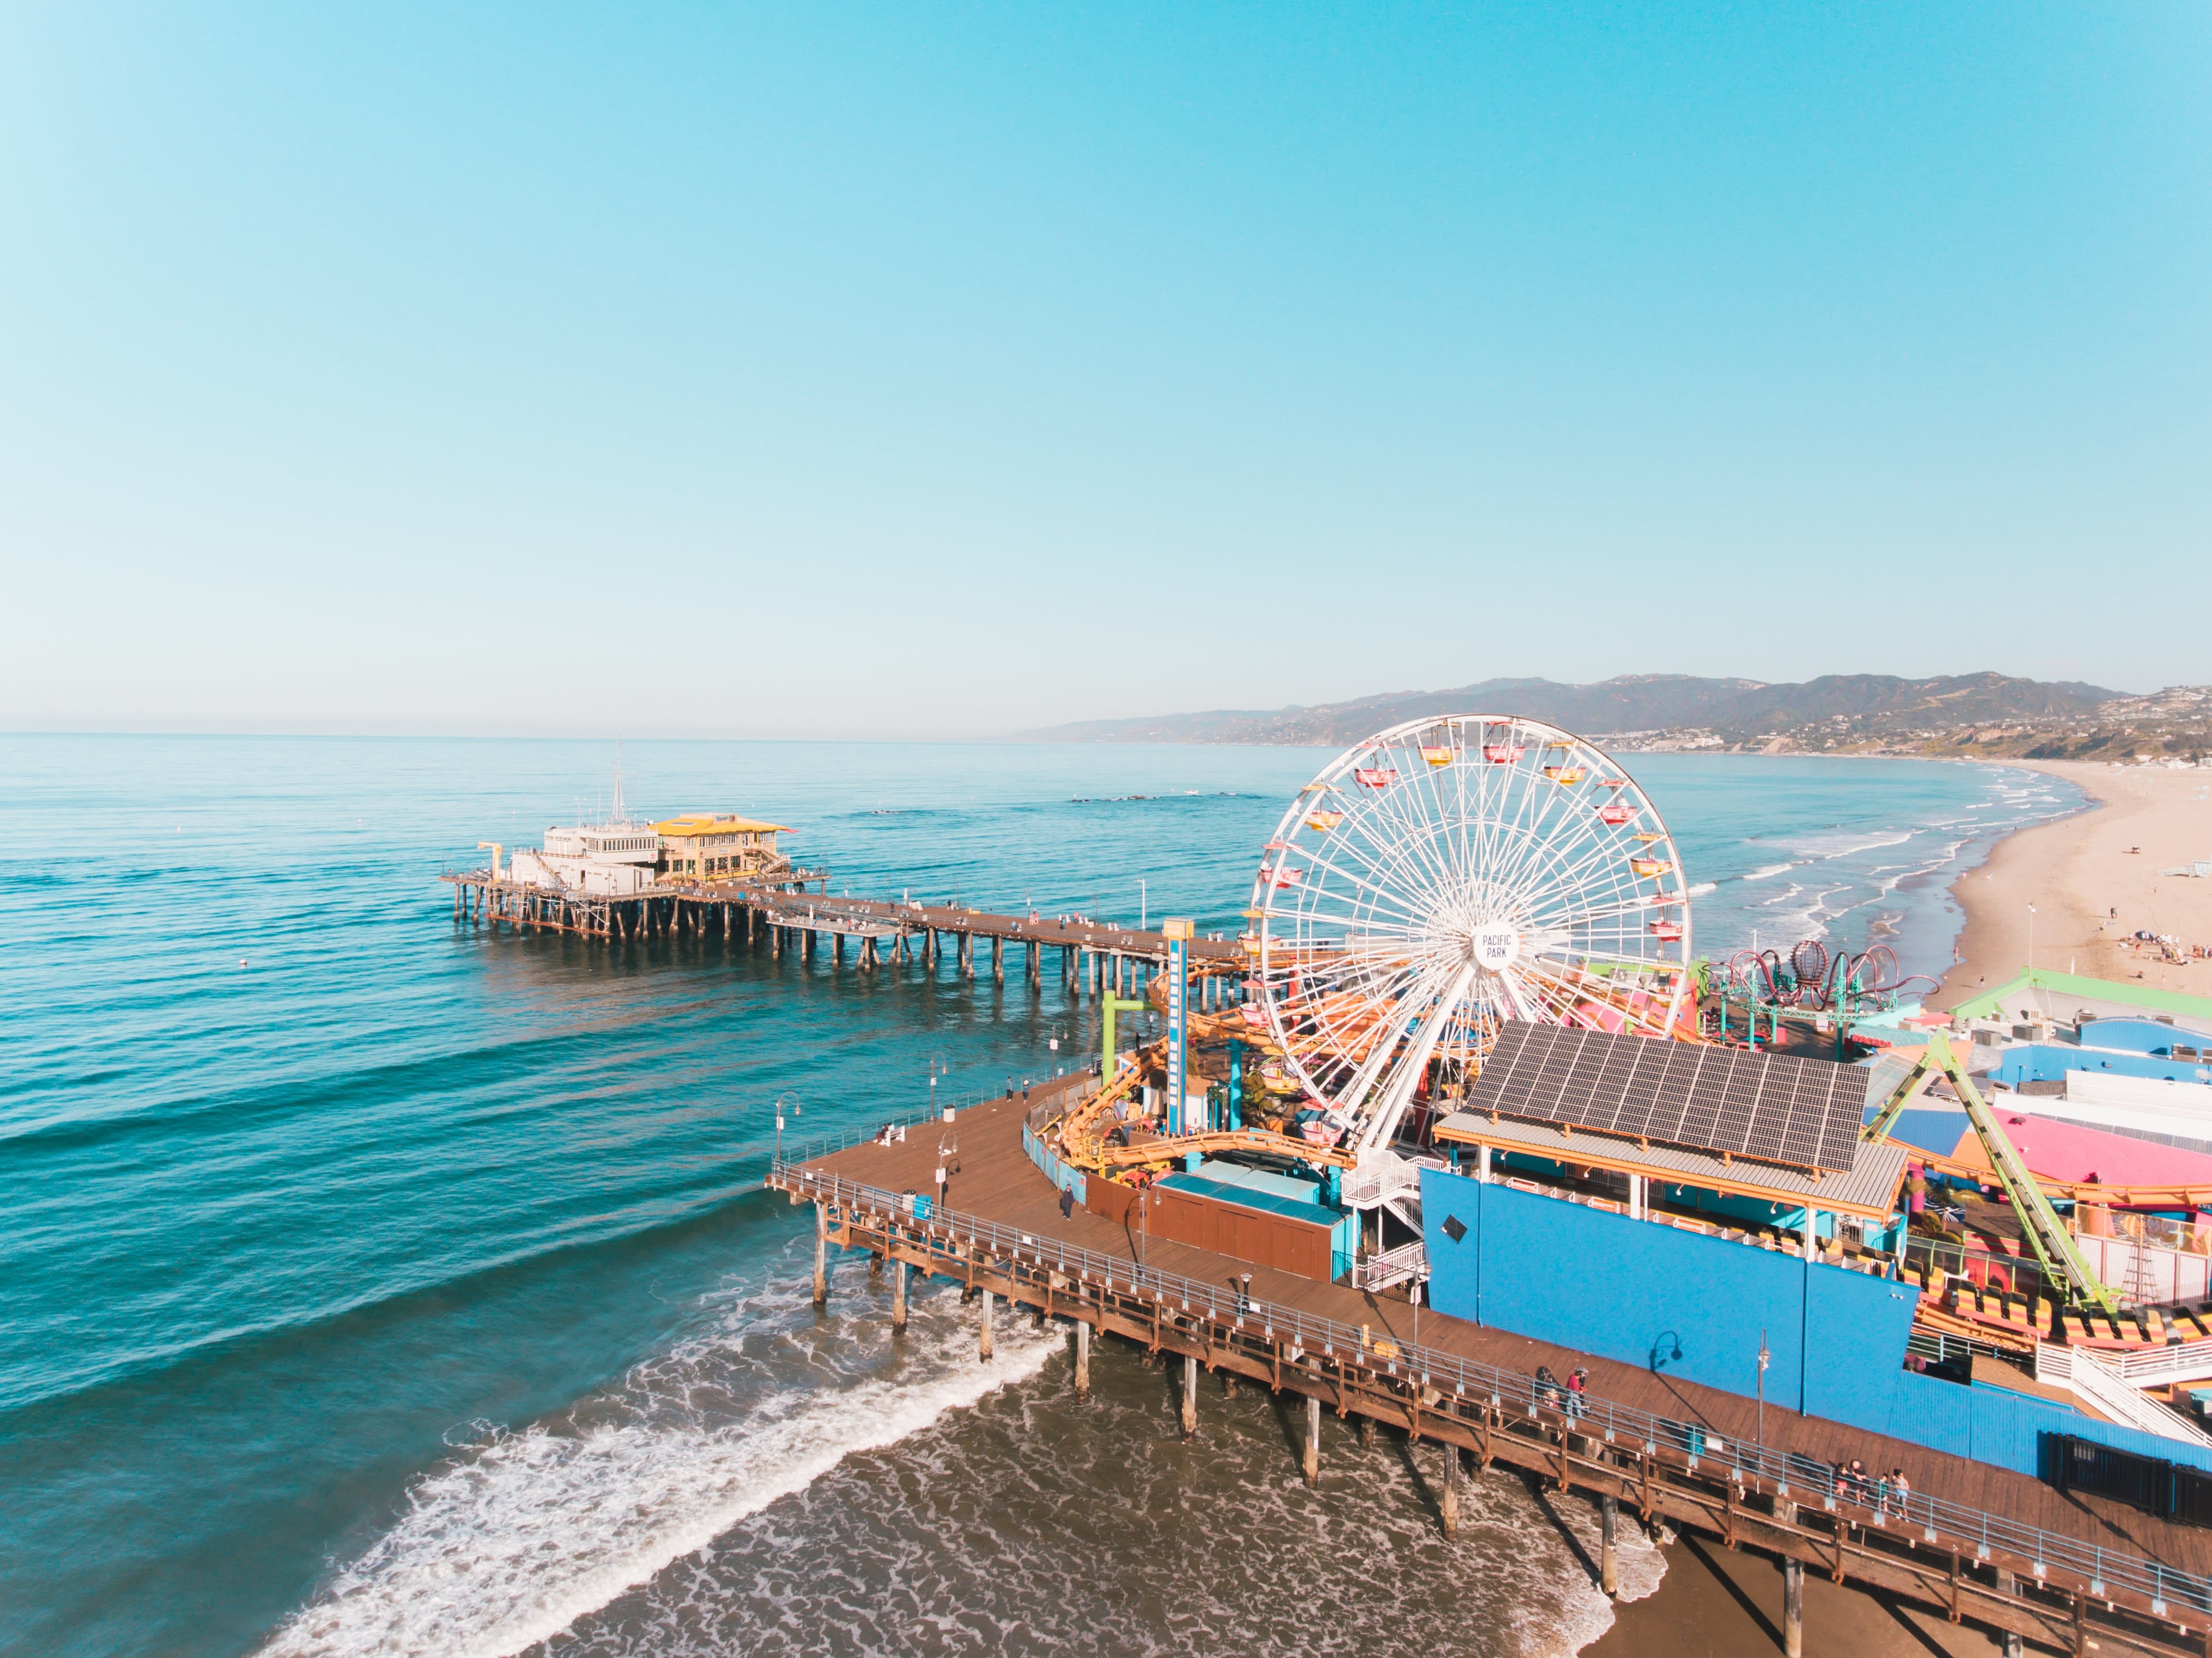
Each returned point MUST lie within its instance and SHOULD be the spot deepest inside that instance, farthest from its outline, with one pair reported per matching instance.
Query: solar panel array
(1805, 1113)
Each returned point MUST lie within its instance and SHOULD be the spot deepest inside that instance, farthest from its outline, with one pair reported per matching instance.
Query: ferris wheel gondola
(1437, 900)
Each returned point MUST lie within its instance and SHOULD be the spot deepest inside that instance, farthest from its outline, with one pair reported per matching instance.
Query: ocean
(375, 1284)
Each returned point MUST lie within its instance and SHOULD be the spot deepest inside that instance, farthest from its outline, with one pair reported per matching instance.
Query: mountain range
(1835, 711)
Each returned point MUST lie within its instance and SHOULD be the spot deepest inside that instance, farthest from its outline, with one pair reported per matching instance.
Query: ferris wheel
(1445, 876)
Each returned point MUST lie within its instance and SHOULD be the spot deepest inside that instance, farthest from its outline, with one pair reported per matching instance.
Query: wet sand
(1713, 1604)
(2090, 892)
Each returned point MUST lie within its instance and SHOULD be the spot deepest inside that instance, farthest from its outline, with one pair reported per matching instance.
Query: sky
(942, 371)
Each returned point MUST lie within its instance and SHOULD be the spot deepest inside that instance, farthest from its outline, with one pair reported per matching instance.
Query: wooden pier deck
(879, 928)
(2066, 1604)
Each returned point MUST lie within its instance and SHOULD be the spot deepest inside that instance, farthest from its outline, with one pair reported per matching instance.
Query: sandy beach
(2094, 879)
(1716, 1604)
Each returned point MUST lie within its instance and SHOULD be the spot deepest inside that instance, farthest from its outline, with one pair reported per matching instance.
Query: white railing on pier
(2097, 1380)
(1385, 1179)
(1392, 1266)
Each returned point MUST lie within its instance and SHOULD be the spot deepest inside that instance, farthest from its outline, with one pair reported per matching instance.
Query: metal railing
(1392, 1266)
(1976, 1531)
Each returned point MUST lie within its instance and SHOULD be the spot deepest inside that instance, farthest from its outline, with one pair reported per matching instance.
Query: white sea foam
(510, 1544)
(1770, 871)
(1701, 888)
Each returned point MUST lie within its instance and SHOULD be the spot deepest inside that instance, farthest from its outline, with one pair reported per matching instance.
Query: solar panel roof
(1773, 1107)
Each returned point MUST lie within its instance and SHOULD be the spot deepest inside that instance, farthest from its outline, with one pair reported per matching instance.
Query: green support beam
(2063, 1263)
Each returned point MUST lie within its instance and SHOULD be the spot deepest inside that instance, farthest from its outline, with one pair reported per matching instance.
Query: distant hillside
(1846, 711)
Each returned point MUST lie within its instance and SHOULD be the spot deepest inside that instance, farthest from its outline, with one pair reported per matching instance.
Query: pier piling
(1793, 1608)
(1190, 1396)
(983, 1332)
(1082, 1359)
(1448, 1494)
(898, 1295)
(1313, 1440)
(821, 1253)
(1609, 1571)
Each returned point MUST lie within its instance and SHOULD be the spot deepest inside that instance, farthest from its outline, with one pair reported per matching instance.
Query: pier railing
(1865, 1501)
(1051, 1089)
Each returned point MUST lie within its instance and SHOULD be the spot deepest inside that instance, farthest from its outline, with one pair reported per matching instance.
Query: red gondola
(1615, 813)
(1502, 754)
(1375, 777)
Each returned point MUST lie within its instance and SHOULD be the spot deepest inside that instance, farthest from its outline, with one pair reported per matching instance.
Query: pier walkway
(1095, 955)
(1981, 1542)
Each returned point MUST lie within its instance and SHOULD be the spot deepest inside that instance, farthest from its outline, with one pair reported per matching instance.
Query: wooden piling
(1793, 1607)
(1448, 1494)
(898, 1295)
(983, 1333)
(1190, 1396)
(1608, 1569)
(1313, 1440)
(1082, 1359)
(821, 1252)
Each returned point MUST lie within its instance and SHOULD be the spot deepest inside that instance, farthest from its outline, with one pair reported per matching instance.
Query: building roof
(1867, 1188)
(2064, 987)
(709, 823)
(2075, 1152)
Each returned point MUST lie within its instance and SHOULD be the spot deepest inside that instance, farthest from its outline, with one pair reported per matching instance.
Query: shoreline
(2088, 890)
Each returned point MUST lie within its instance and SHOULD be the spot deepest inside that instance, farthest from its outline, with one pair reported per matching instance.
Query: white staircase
(2103, 1382)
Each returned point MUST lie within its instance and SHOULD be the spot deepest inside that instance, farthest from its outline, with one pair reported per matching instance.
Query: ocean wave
(507, 1545)
(1771, 870)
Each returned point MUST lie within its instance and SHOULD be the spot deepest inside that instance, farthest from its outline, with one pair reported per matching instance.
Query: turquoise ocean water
(375, 1286)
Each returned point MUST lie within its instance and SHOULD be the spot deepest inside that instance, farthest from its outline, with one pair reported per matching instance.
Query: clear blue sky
(932, 370)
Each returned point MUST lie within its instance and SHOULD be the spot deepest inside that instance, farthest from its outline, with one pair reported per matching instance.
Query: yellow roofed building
(715, 846)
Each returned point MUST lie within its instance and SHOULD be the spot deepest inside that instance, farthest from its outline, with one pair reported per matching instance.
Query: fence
(2165, 1489)
(1976, 1531)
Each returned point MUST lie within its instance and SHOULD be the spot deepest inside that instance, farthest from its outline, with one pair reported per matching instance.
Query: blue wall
(2050, 1062)
(1599, 1283)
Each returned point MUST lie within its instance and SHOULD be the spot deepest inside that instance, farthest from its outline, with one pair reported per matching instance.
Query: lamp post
(2031, 937)
(1764, 1359)
(780, 1100)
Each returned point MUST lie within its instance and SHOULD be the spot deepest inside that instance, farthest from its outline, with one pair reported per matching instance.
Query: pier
(1976, 1542)
(793, 912)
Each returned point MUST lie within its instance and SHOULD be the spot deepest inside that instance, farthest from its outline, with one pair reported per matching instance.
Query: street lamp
(2031, 937)
(1764, 1359)
(780, 1101)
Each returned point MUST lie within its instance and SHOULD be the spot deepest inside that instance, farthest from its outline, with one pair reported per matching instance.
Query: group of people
(1884, 1493)
(1568, 1395)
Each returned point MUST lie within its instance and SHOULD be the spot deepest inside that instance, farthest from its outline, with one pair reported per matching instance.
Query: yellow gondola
(1436, 756)
(1564, 773)
(1649, 866)
(1323, 821)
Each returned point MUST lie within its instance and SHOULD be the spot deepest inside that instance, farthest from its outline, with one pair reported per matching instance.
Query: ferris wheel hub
(1493, 948)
